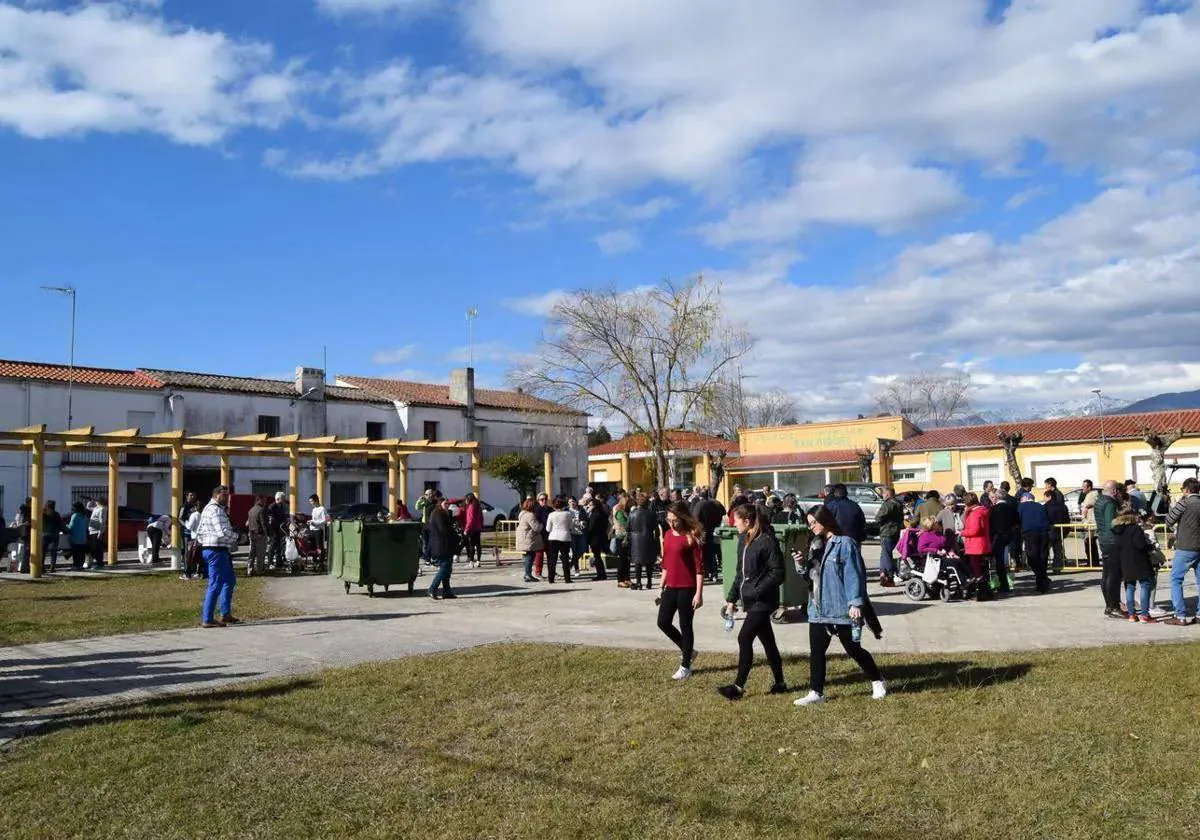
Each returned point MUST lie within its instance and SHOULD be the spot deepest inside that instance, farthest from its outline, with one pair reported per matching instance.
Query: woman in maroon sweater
(682, 582)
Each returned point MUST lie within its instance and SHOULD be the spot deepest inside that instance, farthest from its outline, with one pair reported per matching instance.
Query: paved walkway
(335, 629)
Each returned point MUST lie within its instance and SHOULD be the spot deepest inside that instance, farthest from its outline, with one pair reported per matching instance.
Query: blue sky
(231, 186)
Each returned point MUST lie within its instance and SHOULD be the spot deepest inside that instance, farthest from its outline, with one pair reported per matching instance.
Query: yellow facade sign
(816, 437)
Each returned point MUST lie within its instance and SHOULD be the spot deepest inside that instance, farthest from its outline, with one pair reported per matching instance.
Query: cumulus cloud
(373, 7)
(615, 242)
(120, 67)
(394, 356)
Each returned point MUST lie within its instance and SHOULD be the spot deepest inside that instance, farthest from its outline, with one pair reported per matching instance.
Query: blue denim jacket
(842, 583)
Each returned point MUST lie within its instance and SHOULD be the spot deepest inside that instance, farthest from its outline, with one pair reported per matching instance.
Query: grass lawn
(49, 610)
(550, 742)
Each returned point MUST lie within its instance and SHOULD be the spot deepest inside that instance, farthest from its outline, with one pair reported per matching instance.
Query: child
(1133, 553)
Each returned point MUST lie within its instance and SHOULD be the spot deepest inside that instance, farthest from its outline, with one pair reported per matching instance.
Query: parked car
(129, 522)
(491, 515)
(359, 510)
(865, 495)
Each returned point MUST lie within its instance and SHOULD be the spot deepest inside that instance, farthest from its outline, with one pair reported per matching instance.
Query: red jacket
(473, 519)
(976, 532)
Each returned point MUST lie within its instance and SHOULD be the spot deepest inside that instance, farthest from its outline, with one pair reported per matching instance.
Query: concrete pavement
(334, 629)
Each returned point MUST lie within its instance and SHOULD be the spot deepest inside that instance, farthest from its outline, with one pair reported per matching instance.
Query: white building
(356, 407)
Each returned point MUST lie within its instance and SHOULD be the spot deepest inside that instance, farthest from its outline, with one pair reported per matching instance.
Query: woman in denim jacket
(839, 592)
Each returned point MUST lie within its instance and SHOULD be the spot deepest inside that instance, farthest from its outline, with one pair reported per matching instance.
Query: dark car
(359, 510)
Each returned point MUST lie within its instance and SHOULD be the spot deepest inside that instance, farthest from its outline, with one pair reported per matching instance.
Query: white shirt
(319, 518)
(559, 525)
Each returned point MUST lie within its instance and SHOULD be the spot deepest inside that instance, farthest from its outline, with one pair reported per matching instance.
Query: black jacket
(1056, 509)
(849, 517)
(759, 574)
(1132, 549)
(443, 542)
(710, 513)
(597, 524)
(643, 537)
(1003, 516)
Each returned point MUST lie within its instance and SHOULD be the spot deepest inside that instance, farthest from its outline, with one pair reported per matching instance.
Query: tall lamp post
(70, 291)
(472, 314)
(1104, 444)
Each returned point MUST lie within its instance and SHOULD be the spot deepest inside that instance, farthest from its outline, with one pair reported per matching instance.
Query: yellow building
(1068, 450)
(804, 458)
(628, 462)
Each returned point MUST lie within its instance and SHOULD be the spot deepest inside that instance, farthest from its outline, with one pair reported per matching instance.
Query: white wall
(24, 404)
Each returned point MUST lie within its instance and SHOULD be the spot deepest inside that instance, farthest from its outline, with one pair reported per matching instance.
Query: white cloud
(538, 306)
(373, 7)
(1018, 200)
(650, 209)
(110, 67)
(615, 242)
(394, 356)
(844, 183)
(498, 352)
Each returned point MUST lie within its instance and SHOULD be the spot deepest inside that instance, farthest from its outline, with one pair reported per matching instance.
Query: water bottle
(856, 630)
(728, 620)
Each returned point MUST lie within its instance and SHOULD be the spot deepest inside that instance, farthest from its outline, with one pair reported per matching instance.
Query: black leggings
(598, 548)
(558, 551)
(474, 546)
(678, 601)
(757, 626)
(637, 574)
(818, 643)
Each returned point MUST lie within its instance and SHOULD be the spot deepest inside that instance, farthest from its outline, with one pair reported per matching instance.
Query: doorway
(140, 495)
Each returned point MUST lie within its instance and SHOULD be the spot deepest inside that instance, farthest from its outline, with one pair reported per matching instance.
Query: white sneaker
(810, 699)
(878, 690)
(682, 673)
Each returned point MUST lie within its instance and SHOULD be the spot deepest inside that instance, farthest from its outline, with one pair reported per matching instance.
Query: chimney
(310, 379)
(462, 389)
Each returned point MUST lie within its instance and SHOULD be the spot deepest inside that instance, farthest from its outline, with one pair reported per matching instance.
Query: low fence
(1081, 551)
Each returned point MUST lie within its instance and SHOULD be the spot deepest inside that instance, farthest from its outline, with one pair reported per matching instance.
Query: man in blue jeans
(217, 540)
(1184, 516)
(891, 522)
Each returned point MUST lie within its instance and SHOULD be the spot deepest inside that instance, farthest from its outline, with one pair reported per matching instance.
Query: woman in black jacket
(644, 546)
(756, 583)
(442, 544)
(597, 536)
(1137, 569)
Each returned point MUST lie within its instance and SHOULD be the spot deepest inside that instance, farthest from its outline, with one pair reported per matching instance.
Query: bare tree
(929, 399)
(1010, 441)
(729, 406)
(716, 462)
(866, 458)
(1159, 443)
(649, 356)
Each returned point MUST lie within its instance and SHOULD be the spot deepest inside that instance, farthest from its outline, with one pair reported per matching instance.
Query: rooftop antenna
(472, 314)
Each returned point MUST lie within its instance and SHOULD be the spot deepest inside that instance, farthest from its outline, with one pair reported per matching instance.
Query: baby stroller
(301, 553)
(941, 575)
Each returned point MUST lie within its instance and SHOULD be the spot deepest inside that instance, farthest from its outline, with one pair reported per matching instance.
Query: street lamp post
(1104, 444)
(70, 291)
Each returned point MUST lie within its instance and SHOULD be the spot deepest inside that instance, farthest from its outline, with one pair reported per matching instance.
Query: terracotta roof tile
(104, 377)
(676, 441)
(253, 385)
(829, 457)
(423, 393)
(1067, 430)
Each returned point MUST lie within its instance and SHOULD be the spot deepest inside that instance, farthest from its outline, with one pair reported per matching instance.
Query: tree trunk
(716, 471)
(1011, 441)
(660, 464)
(1159, 444)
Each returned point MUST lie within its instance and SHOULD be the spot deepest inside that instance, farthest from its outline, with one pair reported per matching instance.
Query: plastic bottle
(728, 620)
(856, 629)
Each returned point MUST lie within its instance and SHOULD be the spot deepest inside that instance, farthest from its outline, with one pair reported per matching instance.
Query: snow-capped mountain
(1047, 411)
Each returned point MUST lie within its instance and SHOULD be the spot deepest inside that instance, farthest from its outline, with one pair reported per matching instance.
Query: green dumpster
(793, 593)
(374, 554)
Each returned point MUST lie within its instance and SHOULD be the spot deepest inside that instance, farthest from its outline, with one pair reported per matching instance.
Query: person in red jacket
(977, 543)
(472, 525)
(682, 582)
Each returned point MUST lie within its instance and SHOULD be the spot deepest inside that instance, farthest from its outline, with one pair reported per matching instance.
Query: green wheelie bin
(373, 554)
(793, 592)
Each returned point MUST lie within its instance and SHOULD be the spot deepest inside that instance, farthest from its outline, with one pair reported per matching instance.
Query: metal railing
(1081, 550)
(85, 458)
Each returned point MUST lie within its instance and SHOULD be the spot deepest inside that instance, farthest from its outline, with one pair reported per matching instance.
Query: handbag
(290, 552)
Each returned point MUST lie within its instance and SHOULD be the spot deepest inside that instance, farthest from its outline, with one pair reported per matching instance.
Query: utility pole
(69, 290)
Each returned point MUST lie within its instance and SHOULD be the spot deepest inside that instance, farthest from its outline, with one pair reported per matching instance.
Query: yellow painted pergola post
(475, 473)
(293, 480)
(176, 495)
(114, 493)
(320, 491)
(548, 469)
(37, 492)
(403, 491)
(226, 479)
(706, 461)
(626, 471)
(393, 478)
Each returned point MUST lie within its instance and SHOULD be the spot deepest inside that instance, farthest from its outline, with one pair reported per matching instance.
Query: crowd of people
(85, 529)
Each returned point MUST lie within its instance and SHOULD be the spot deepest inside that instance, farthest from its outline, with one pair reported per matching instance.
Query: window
(908, 474)
(481, 435)
(685, 474)
(377, 492)
(429, 430)
(803, 482)
(82, 494)
(268, 488)
(566, 486)
(529, 438)
(600, 475)
(979, 473)
(268, 424)
(848, 475)
(754, 481)
(343, 493)
(435, 486)
(376, 431)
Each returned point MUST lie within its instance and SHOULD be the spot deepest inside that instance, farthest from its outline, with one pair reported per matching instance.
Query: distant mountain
(1049, 411)
(1164, 402)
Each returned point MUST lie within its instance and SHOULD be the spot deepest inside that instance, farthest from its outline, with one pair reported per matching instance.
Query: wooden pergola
(180, 445)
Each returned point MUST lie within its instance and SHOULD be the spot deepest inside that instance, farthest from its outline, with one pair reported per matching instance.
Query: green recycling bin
(374, 554)
(793, 592)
